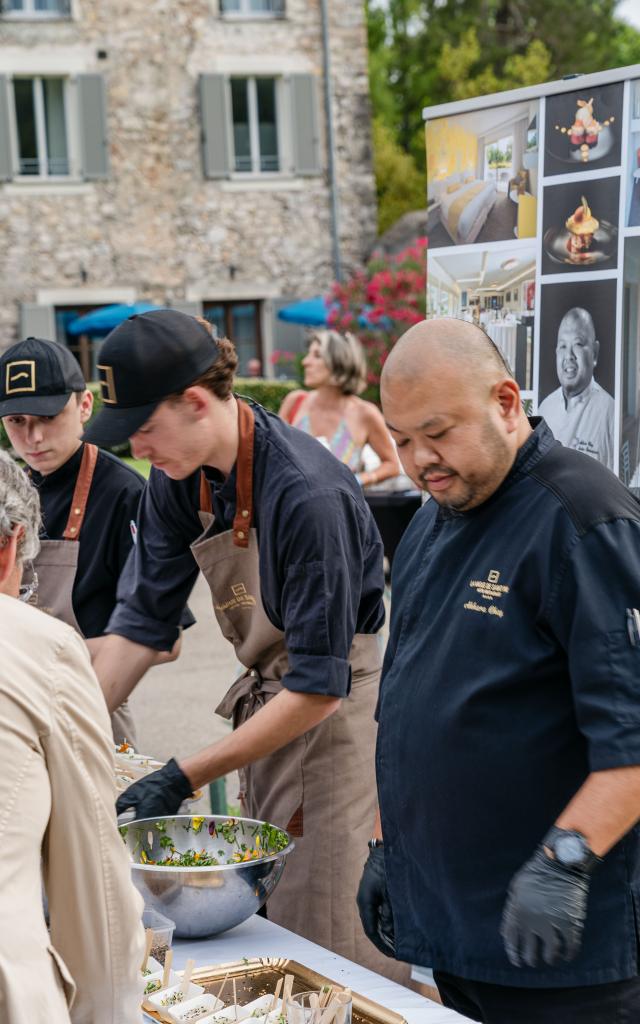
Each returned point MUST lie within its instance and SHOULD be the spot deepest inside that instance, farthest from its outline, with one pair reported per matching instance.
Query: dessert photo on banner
(633, 160)
(577, 365)
(580, 226)
(630, 397)
(482, 175)
(494, 288)
(583, 130)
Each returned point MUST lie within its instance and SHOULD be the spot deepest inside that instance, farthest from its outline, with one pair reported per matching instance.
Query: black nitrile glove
(157, 794)
(373, 903)
(545, 911)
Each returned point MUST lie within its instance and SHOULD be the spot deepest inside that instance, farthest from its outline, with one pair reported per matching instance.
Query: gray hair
(19, 506)
(345, 358)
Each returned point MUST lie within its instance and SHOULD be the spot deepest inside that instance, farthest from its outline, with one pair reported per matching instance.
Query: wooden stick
(327, 993)
(219, 995)
(276, 995)
(186, 977)
(286, 993)
(328, 1014)
(147, 948)
(168, 960)
(235, 998)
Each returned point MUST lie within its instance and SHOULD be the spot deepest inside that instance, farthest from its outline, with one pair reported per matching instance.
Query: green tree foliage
(400, 185)
(424, 52)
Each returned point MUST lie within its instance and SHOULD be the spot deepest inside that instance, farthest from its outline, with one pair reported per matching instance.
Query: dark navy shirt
(510, 675)
(321, 577)
(106, 537)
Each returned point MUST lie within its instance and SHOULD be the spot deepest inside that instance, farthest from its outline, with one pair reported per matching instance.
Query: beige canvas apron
(321, 787)
(57, 565)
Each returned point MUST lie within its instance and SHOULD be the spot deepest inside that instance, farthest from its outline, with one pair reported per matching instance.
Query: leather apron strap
(243, 518)
(81, 493)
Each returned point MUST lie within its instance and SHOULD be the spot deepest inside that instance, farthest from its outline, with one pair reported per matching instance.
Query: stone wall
(157, 225)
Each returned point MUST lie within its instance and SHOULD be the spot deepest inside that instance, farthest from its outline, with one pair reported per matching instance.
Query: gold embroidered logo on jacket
(490, 590)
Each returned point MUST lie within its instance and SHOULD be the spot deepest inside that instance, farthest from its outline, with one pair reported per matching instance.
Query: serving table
(258, 937)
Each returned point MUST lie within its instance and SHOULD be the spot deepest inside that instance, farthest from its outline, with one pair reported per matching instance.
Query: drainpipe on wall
(331, 156)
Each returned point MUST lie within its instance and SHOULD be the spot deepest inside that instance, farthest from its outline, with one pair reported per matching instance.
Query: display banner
(534, 234)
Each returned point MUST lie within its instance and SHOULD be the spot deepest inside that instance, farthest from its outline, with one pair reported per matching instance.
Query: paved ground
(174, 705)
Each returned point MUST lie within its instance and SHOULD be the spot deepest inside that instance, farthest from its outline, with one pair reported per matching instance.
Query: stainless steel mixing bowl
(203, 900)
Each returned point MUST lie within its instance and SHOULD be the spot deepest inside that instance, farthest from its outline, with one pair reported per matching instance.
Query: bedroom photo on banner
(482, 175)
(577, 365)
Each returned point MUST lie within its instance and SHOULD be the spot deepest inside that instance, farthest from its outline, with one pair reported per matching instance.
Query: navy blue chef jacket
(107, 532)
(509, 677)
(321, 575)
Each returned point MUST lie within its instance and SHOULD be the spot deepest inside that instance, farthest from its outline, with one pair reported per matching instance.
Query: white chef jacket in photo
(584, 422)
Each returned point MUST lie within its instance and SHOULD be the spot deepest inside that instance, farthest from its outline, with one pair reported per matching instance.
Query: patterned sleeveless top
(342, 444)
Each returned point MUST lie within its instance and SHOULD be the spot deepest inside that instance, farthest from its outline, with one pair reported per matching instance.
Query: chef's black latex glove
(545, 911)
(374, 905)
(158, 794)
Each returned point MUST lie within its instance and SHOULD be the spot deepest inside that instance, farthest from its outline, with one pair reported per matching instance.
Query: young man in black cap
(294, 563)
(89, 498)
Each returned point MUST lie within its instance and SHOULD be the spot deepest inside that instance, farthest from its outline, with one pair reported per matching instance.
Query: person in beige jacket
(57, 821)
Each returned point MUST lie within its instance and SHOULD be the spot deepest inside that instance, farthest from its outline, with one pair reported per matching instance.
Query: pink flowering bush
(391, 293)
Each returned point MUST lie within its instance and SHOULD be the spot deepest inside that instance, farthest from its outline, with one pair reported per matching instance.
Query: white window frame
(254, 133)
(29, 11)
(247, 12)
(70, 120)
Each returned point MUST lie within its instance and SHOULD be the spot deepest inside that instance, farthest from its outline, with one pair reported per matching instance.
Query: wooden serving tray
(258, 977)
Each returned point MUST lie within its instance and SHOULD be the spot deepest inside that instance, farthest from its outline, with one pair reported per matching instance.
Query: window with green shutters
(44, 135)
(259, 125)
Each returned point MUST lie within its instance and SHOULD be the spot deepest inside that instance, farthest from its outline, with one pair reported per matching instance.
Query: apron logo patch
(491, 591)
(20, 376)
(240, 599)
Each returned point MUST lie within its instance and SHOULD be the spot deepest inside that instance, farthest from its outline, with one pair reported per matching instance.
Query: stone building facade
(175, 152)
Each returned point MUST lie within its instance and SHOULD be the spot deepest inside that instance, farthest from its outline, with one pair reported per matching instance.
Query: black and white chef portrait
(577, 366)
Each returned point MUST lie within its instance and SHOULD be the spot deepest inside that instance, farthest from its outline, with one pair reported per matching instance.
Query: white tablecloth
(504, 335)
(259, 937)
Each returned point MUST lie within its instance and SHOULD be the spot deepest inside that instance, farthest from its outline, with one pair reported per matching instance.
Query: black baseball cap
(37, 377)
(144, 360)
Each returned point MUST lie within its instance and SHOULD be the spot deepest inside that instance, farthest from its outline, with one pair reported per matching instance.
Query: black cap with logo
(144, 360)
(37, 377)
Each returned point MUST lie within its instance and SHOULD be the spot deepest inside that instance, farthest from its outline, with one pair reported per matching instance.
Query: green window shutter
(37, 321)
(305, 125)
(92, 108)
(6, 168)
(216, 157)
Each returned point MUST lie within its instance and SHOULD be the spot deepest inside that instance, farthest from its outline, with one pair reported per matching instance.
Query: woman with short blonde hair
(335, 369)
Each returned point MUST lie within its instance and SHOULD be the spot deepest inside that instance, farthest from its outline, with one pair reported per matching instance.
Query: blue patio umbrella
(310, 312)
(101, 321)
(315, 313)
